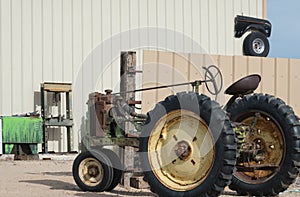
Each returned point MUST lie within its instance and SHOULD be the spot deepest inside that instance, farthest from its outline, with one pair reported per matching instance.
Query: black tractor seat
(244, 86)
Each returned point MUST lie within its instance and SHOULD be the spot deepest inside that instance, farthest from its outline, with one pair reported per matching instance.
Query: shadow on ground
(61, 185)
(54, 173)
(129, 193)
(58, 173)
(53, 184)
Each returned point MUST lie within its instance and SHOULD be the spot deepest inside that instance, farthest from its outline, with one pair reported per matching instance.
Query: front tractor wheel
(92, 171)
(187, 147)
(269, 150)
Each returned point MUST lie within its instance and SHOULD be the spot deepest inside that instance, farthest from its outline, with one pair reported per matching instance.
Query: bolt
(193, 162)
(258, 131)
(175, 138)
(108, 91)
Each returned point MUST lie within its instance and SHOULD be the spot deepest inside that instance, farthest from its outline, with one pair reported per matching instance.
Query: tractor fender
(256, 27)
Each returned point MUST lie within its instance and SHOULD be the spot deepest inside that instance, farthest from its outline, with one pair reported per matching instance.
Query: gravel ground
(54, 178)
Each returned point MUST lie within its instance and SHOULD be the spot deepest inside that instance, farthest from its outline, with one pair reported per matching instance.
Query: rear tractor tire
(276, 134)
(188, 147)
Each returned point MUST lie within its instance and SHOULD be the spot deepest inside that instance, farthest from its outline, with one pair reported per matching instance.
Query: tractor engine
(109, 114)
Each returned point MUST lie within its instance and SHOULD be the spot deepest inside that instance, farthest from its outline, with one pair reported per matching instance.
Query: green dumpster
(21, 131)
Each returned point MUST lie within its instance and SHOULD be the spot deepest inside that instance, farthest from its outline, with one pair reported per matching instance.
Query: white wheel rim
(258, 46)
(91, 172)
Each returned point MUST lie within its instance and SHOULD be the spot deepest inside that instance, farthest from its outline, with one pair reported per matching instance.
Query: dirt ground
(54, 178)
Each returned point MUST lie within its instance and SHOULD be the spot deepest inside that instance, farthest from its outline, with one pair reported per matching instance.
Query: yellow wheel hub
(181, 150)
(91, 172)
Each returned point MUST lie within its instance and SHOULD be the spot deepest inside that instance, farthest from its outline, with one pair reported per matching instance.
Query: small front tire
(92, 171)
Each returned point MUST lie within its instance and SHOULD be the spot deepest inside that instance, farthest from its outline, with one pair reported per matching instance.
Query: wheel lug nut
(258, 131)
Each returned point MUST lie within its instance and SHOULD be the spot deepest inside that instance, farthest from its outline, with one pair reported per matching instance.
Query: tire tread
(282, 179)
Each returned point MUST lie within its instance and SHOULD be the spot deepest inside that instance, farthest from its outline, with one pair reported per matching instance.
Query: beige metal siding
(280, 77)
(48, 40)
(51, 40)
(294, 81)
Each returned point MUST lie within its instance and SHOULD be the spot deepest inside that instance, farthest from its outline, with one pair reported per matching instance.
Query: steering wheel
(213, 79)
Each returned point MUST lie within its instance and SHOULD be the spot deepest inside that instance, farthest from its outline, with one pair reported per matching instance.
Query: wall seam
(225, 32)
(247, 62)
(264, 2)
(92, 43)
(208, 29)
(101, 55)
(52, 41)
(62, 43)
(111, 47)
(129, 22)
(72, 41)
(165, 22)
(183, 26)
(1, 64)
(217, 29)
(156, 21)
(259, 88)
(174, 27)
(139, 23)
(233, 68)
(22, 58)
(42, 37)
(82, 44)
(11, 52)
(289, 81)
(192, 29)
(32, 73)
(275, 73)
(148, 39)
(200, 29)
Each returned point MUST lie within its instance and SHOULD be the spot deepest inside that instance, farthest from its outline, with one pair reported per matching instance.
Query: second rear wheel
(275, 137)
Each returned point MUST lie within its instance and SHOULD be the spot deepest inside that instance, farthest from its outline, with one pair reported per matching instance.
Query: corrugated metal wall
(49, 40)
(280, 77)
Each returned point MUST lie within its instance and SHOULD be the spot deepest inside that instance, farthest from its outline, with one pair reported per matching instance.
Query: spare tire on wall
(256, 44)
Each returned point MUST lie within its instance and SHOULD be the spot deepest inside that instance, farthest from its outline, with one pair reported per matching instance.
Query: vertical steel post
(128, 66)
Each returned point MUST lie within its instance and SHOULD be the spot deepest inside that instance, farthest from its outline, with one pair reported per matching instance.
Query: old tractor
(189, 145)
